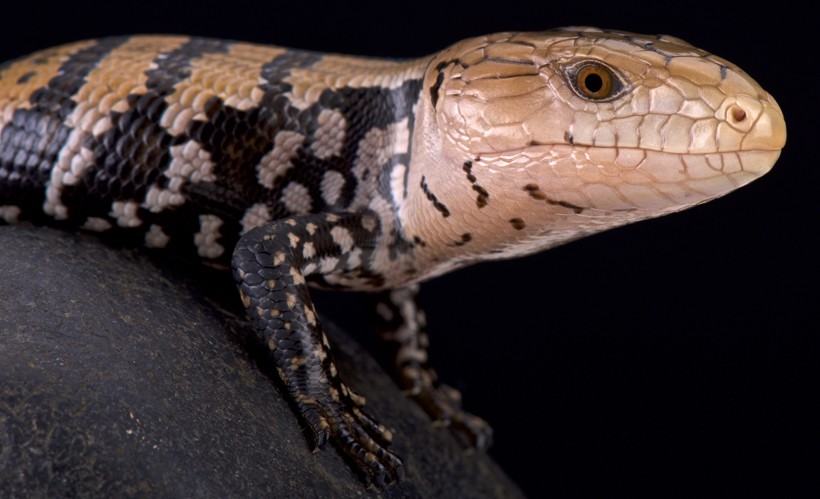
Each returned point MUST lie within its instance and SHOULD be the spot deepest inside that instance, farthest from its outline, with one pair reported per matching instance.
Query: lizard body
(300, 168)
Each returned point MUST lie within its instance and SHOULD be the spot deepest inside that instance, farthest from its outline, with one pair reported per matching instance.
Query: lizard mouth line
(541, 149)
(753, 161)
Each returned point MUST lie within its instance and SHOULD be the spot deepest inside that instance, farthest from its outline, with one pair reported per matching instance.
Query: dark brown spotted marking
(419, 241)
(26, 77)
(535, 192)
(445, 212)
(434, 88)
(517, 223)
(483, 196)
(465, 238)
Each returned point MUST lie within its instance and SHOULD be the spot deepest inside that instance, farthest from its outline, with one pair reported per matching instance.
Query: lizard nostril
(737, 113)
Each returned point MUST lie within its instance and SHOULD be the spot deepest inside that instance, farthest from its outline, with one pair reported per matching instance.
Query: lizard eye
(594, 81)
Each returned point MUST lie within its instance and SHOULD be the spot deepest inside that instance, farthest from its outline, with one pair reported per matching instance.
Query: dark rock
(122, 376)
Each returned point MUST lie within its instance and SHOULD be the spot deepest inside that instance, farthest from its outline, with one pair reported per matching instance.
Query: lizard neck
(460, 209)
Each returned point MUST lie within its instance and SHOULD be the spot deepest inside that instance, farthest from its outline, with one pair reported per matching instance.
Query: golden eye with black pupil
(594, 81)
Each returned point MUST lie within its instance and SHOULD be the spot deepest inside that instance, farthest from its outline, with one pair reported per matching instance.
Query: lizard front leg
(401, 323)
(269, 265)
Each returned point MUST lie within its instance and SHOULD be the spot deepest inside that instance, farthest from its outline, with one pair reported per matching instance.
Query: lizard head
(577, 130)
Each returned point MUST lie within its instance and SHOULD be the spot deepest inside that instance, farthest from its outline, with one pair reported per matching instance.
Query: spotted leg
(269, 265)
(401, 323)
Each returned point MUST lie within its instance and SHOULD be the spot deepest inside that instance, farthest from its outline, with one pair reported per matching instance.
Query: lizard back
(185, 143)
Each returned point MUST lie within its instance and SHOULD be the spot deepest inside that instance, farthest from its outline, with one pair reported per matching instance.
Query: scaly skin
(301, 168)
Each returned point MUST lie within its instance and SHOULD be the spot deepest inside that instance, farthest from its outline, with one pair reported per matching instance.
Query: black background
(674, 357)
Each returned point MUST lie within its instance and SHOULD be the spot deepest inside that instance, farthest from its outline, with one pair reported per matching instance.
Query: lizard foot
(359, 438)
(443, 404)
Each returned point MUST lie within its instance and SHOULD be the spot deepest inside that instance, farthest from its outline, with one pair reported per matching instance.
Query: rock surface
(120, 375)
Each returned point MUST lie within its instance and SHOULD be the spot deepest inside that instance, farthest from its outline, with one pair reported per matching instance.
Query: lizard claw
(361, 441)
(359, 438)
